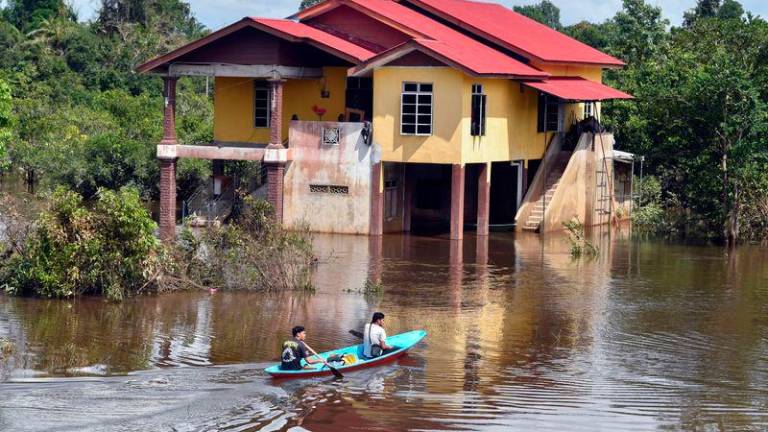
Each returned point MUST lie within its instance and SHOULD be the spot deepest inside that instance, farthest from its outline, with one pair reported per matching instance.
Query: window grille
(416, 109)
(479, 101)
(261, 104)
(550, 106)
(331, 136)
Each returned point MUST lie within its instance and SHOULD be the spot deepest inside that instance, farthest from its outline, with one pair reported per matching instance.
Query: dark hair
(296, 330)
(377, 316)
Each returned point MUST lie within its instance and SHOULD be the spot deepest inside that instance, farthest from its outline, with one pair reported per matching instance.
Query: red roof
(516, 32)
(311, 34)
(462, 50)
(577, 89)
(285, 29)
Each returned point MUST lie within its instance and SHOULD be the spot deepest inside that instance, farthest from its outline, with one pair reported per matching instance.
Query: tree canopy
(544, 12)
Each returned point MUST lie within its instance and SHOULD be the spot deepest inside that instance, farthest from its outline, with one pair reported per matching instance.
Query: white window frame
(417, 93)
(477, 89)
(256, 89)
(588, 109)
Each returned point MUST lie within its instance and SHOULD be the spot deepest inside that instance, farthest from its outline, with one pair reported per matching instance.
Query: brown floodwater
(647, 336)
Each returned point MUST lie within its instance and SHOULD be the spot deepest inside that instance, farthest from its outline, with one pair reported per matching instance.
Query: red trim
(326, 371)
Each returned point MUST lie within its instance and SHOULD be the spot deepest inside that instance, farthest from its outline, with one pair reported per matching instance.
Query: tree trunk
(732, 223)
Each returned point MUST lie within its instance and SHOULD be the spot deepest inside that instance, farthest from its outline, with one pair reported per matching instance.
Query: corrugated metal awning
(577, 89)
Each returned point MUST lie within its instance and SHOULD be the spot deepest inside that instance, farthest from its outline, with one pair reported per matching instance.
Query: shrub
(107, 248)
(253, 252)
(576, 237)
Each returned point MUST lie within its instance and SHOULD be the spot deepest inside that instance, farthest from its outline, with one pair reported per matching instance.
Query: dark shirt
(293, 352)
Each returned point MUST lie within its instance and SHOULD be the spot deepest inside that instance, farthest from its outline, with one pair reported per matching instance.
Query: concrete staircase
(533, 223)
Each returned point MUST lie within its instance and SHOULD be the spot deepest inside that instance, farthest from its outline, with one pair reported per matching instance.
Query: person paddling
(295, 350)
(375, 337)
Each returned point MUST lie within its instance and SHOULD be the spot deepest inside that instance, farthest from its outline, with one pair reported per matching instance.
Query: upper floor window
(261, 104)
(477, 127)
(416, 109)
(588, 110)
(549, 107)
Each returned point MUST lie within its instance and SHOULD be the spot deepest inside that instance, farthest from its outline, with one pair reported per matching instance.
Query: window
(549, 106)
(416, 109)
(261, 104)
(588, 111)
(329, 189)
(478, 110)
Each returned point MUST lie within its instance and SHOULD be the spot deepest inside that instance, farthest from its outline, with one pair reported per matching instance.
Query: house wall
(233, 105)
(511, 116)
(347, 164)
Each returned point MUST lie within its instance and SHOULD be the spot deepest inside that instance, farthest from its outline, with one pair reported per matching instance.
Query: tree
(6, 117)
(28, 14)
(727, 9)
(640, 31)
(308, 3)
(545, 12)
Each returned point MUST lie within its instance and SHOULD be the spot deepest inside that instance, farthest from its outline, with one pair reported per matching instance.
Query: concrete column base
(457, 202)
(168, 200)
(483, 199)
(377, 199)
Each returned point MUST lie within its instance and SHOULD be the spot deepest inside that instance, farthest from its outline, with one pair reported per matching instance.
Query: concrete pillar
(168, 165)
(377, 199)
(274, 159)
(168, 200)
(457, 202)
(169, 110)
(408, 185)
(483, 199)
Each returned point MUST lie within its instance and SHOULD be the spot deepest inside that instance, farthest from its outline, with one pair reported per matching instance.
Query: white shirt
(373, 334)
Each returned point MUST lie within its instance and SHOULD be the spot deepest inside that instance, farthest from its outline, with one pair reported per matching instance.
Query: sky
(218, 13)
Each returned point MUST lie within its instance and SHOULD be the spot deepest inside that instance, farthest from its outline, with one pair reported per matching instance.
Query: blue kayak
(402, 342)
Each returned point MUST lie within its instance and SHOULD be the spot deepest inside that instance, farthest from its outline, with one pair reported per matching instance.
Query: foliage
(648, 216)
(727, 9)
(308, 3)
(73, 248)
(252, 252)
(6, 122)
(580, 246)
(544, 12)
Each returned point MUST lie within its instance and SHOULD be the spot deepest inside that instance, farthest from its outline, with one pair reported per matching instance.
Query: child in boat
(295, 350)
(375, 337)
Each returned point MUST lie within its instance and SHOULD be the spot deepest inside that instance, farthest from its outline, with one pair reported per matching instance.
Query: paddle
(356, 333)
(335, 371)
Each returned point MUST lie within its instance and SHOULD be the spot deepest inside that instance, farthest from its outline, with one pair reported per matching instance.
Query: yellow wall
(233, 105)
(443, 146)
(511, 116)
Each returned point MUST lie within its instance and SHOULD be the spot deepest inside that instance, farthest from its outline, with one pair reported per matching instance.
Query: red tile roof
(466, 52)
(577, 89)
(516, 32)
(311, 34)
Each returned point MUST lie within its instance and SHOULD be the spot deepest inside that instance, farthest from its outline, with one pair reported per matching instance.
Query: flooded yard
(647, 336)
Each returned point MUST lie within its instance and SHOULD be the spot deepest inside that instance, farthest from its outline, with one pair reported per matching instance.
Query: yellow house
(373, 116)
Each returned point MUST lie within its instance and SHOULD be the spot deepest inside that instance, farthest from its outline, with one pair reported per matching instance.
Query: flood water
(648, 336)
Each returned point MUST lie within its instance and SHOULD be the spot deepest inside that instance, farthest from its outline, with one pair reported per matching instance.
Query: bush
(253, 252)
(578, 240)
(107, 248)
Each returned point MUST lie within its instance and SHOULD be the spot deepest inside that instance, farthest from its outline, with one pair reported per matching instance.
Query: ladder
(603, 187)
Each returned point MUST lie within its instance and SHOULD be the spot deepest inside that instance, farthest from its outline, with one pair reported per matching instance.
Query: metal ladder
(603, 185)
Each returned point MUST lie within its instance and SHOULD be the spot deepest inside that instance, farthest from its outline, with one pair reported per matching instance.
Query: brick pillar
(275, 175)
(377, 199)
(276, 113)
(457, 202)
(168, 200)
(169, 110)
(483, 199)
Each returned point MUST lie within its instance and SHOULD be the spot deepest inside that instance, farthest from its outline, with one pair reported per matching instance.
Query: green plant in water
(370, 287)
(579, 244)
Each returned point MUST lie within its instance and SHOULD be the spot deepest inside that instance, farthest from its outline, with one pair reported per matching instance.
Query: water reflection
(646, 336)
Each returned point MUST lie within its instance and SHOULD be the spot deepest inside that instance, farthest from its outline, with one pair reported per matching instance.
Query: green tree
(28, 14)
(640, 31)
(308, 3)
(725, 9)
(6, 119)
(544, 12)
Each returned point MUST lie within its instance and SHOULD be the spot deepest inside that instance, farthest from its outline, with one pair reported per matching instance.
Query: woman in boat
(295, 350)
(375, 337)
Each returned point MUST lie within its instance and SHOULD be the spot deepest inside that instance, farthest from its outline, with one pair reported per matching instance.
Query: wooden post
(457, 201)
(483, 199)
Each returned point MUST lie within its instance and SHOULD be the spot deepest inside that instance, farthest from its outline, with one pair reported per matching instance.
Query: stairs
(533, 223)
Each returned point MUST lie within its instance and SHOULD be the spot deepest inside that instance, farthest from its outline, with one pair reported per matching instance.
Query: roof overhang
(577, 89)
(160, 64)
(367, 67)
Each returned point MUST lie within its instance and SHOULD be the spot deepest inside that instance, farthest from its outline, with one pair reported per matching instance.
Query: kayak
(402, 342)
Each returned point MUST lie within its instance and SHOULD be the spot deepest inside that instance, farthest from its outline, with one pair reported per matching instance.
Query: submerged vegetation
(580, 245)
